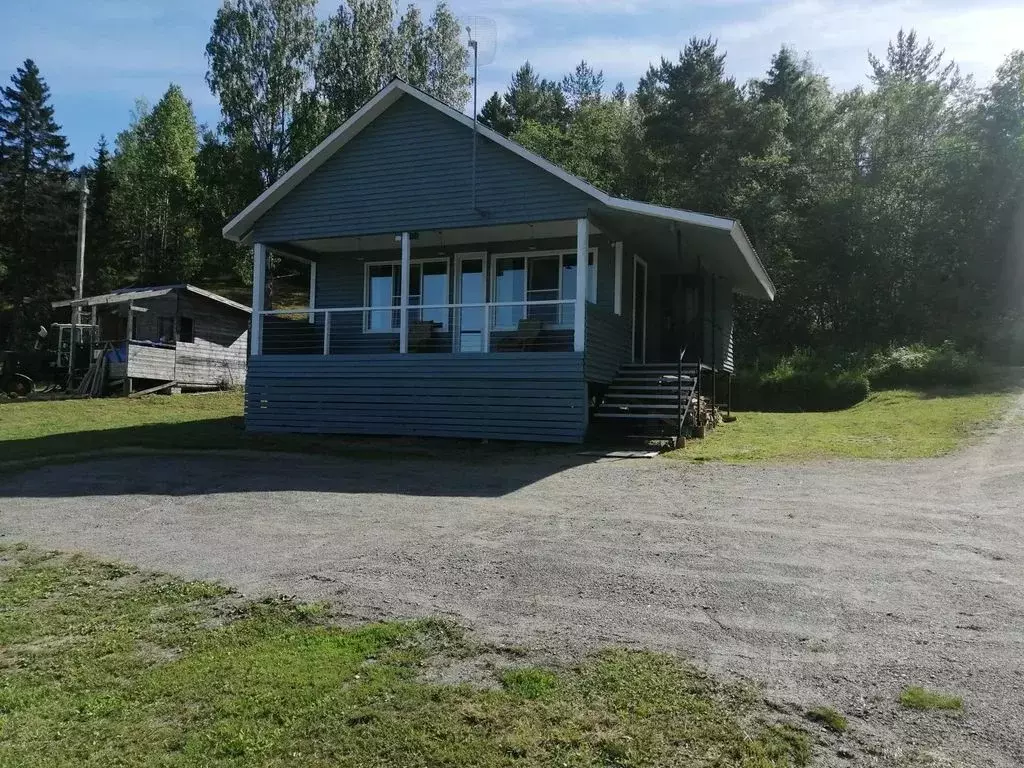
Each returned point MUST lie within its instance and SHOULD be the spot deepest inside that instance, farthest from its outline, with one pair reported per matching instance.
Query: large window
(428, 285)
(539, 277)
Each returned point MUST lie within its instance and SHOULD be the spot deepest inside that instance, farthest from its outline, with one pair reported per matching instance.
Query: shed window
(165, 331)
(428, 286)
(186, 330)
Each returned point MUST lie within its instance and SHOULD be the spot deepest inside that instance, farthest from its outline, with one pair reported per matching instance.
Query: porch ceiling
(719, 245)
(677, 239)
(440, 238)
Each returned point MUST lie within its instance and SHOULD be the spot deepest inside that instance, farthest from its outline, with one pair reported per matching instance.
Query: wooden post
(619, 278)
(94, 336)
(71, 348)
(403, 317)
(259, 287)
(129, 332)
(327, 332)
(582, 260)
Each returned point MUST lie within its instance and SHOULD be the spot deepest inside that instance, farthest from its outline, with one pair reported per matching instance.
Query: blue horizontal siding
(514, 396)
(608, 344)
(411, 169)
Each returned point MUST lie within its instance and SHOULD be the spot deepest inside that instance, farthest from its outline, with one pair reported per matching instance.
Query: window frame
(180, 335)
(397, 277)
(592, 253)
(163, 321)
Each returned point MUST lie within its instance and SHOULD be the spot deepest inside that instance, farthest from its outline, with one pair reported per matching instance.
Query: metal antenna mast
(475, 45)
(481, 36)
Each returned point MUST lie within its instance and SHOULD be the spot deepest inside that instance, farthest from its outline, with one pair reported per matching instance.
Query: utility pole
(83, 204)
(76, 311)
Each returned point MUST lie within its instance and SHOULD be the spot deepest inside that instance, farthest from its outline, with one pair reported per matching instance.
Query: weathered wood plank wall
(217, 355)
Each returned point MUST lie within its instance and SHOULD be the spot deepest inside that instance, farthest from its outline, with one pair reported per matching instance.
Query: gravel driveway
(832, 582)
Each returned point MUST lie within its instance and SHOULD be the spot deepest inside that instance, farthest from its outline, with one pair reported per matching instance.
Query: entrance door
(639, 310)
(470, 288)
(680, 317)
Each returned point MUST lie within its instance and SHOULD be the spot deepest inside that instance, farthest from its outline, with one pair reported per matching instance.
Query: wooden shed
(177, 335)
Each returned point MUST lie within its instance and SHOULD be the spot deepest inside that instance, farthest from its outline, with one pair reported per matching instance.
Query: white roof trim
(239, 227)
(739, 236)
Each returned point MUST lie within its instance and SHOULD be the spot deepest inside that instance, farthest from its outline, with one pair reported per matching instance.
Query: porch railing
(491, 327)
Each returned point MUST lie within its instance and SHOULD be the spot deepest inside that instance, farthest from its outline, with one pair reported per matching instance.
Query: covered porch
(507, 289)
(478, 290)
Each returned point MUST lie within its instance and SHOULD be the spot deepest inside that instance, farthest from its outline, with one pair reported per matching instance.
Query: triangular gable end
(411, 169)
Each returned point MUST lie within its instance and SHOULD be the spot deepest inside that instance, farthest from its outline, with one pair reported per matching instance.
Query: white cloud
(836, 34)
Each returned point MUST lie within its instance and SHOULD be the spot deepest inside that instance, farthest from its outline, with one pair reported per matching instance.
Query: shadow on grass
(101, 462)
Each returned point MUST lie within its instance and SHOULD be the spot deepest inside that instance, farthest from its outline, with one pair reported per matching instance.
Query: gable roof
(122, 295)
(239, 228)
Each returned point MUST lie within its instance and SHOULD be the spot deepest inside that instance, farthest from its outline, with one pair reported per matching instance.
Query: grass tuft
(916, 697)
(528, 682)
(828, 717)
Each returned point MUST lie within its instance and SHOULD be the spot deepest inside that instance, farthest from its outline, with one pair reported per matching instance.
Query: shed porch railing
(489, 327)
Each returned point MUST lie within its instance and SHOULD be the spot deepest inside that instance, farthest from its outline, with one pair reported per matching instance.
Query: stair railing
(680, 409)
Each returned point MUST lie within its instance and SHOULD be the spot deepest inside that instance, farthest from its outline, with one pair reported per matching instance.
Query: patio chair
(421, 334)
(524, 337)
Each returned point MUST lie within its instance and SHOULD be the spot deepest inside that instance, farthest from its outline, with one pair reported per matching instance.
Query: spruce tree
(36, 205)
(103, 270)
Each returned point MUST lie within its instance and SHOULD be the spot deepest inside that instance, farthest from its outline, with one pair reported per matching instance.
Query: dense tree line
(889, 213)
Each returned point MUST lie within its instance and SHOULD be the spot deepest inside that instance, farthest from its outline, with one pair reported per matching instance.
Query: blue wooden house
(463, 286)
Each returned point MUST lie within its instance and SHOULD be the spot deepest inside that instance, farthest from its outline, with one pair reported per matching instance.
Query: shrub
(800, 383)
(918, 366)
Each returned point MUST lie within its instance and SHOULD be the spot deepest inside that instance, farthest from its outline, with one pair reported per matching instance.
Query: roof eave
(144, 294)
(239, 228)
(739, 237)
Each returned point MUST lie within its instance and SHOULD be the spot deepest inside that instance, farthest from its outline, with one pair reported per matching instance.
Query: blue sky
(100, 55)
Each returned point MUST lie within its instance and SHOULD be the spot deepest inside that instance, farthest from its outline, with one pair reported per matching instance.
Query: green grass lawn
(32, 429)
(103, 665)
(40, 430)
(888, 425)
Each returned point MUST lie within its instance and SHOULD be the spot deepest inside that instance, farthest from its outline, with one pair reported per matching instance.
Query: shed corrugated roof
(140, 293)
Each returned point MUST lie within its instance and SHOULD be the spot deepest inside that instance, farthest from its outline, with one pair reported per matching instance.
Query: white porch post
(582, 259)
(312, 290)
(403, 327)
(618, 277)
(259, 292)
